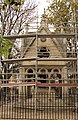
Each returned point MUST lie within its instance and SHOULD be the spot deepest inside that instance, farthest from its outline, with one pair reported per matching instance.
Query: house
(44, 71)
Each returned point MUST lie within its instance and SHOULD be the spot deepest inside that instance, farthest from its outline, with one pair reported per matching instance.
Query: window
(43, 76)
(43, 52)
(30, 73)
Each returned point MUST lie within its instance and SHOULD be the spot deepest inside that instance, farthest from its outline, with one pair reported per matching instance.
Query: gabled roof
(28, 46)
(44, 28)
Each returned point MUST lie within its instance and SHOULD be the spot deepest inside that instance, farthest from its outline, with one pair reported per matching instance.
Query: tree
(12, 21)
(12, 3)
(63, 13)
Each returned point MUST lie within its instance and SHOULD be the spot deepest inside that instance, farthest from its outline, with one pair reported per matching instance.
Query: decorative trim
(43, 39)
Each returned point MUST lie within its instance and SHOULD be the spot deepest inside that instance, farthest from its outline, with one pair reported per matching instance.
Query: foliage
(5, 46)
(62, 12)
(14, 3)
(63, 15)
(13, 20)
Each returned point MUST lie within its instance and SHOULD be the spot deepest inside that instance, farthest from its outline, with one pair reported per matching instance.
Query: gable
(27, 47)
(31, 50)
(52, 49)
(51, 44)
(57, 42)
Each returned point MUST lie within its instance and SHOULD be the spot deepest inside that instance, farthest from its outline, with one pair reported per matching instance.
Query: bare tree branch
(12, 22)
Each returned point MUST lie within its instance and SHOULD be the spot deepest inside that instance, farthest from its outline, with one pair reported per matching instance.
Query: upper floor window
(43, 52)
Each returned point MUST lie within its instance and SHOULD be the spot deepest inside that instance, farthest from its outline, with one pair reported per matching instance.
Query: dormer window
(43, 52)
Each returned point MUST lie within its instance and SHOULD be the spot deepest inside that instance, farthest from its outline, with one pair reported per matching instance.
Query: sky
(40, 10)
(41, 5)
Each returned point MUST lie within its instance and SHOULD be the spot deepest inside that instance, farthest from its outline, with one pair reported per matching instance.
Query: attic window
(43, 52)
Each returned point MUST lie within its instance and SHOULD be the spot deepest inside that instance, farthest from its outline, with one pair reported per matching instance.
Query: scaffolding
(39, 36)
(27, 73)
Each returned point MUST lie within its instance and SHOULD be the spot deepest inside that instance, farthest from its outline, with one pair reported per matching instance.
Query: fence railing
(40, 106)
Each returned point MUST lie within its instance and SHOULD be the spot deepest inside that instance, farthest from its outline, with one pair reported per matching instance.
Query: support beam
(38, 84)
(17, 84)
(57, 59)
(39, 59)
(53, 35)
(57, 84)
(18, 60)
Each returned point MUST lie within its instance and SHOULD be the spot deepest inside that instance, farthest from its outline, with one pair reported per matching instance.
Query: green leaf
(5, 46)
(22, 2)
(61, 12)
(16, 7)
(7, 2)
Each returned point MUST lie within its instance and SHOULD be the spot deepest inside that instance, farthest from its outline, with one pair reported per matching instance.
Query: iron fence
(40, 106)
